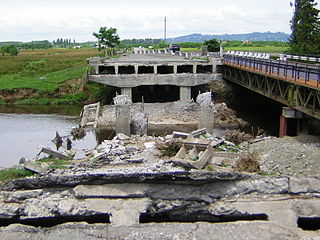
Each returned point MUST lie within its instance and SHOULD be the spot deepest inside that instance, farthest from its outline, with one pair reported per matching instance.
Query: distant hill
(9, 43)
(255, 36)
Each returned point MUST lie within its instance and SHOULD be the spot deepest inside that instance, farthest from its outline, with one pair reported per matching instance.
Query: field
(262, 49)
(43, 70)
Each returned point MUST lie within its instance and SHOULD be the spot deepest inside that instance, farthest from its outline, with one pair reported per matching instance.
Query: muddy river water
(25, 128)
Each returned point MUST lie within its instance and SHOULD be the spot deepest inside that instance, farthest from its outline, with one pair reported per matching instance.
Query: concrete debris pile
(205, 99)
(122, 100)
(200, 149)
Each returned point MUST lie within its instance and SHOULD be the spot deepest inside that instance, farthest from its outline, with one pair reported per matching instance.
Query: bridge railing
(288, 70)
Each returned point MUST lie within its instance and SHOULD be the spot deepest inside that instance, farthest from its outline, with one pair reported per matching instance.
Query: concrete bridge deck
(136, 70)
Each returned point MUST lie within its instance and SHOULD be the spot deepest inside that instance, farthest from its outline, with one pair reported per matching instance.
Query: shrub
(248, 163)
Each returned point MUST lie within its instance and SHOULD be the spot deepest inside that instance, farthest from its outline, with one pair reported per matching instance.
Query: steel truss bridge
(292, 84)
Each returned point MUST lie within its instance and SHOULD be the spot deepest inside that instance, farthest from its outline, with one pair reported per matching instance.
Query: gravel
(289, 156)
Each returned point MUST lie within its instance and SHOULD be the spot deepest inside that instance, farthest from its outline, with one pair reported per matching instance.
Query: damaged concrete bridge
(130, 72)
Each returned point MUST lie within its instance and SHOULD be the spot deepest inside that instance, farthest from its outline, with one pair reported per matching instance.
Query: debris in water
(57, 140)
(78, 133)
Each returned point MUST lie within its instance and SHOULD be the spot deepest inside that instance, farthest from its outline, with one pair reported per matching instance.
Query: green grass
(190, 49)
(264, 49)
(14, 173)
(33, 101)
(55, 163)
(74, 98)
(43, 70)
(46, 82)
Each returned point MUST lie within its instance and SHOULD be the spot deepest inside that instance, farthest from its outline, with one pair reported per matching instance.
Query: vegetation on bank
(16, 172)
(10, 174)
(47, 73)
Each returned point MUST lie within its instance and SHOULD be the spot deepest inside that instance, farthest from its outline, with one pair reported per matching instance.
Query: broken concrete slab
(32, 166)
(58, 180)
(139, 124)
(194, 158)
(52, 153)
(303, 185)
(197, 133)
(205, 99)
(183, 135)
(158, 231)
(122, 100)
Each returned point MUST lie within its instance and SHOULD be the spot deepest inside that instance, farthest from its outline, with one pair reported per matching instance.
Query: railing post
(318, 76)
(270, 66)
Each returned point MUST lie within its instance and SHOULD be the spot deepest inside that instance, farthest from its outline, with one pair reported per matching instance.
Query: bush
(248, 163)
(10, 50)
(213, 45)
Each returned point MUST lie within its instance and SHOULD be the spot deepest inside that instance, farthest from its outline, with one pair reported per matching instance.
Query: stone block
(304, 185)
(139, 124)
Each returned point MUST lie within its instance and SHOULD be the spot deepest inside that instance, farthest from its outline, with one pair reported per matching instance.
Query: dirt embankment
(70, 86)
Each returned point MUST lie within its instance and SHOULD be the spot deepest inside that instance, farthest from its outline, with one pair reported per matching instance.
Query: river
(25, 128)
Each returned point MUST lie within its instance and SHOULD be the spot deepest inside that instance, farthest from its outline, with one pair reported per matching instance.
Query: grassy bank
(46, 72)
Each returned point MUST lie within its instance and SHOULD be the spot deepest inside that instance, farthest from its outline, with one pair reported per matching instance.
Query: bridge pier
(127, 91)
(289, 113)
(283, 128)
(185, 94)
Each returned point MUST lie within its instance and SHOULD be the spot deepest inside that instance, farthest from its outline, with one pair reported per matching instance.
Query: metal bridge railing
(290, 71)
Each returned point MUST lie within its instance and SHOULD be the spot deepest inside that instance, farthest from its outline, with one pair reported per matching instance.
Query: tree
(213, 45)
(305, 26)
(107, 38)
(9, 49)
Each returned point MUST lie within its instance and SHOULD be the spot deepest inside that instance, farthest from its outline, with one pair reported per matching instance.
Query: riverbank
(51, 76)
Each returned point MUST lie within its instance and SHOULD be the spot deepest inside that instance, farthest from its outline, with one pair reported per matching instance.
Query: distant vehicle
(174, 47)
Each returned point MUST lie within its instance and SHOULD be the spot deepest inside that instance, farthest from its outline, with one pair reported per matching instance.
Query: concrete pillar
(185, 94)
(283, 127)
(206, 113)
(136, 69)
(175, 69)
(116, 69)
(123, 119)
(123, 114)
(205, 118)
(127, 91)
(214, 67)
(155, 69)
(194, 69)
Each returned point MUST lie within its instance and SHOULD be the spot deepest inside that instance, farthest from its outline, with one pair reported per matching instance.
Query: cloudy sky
(26, 20)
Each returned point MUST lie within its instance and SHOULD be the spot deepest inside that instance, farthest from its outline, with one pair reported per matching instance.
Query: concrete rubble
(130, 190)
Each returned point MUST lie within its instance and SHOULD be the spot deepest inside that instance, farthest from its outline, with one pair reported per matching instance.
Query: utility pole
(165, 29)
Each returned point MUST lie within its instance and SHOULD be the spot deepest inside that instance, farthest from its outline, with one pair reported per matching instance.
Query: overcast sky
(26, 20)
